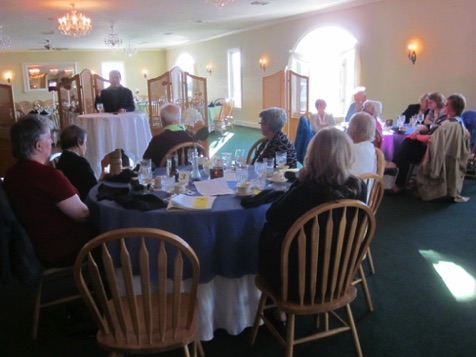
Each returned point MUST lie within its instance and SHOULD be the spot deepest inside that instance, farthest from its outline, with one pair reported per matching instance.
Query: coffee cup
(243, 188)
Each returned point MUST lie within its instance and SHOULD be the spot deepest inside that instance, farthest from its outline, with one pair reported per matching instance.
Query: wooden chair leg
(259, 313)
(198, 343)
(36, 310)
(365, 288)
(353, 330)
(290, 335)
(370, 261)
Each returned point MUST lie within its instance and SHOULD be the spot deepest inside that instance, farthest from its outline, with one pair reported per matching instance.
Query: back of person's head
(438, 98)
(457, 102)
(361, 127)
(170, 114)
(329, 158)
(72, 136)
(373, 107)
(274, 118)
(26, 132)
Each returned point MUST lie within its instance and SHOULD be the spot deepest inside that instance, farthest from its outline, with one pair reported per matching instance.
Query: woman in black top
(325, 177)
(75, 167)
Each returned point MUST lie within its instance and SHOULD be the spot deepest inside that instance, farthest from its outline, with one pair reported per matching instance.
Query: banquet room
(396, 49)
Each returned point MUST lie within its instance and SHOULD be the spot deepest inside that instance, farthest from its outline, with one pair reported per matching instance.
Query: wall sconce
(8, 77)
(411, 53)
(263, 63)
(208, 67)
(144, 72)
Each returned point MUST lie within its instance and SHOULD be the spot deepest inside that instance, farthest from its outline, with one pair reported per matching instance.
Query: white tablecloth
(107, 132)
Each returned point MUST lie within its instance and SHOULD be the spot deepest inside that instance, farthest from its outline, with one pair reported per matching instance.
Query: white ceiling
(148, 24)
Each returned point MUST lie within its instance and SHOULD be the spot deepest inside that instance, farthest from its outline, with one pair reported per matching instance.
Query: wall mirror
(41, 76)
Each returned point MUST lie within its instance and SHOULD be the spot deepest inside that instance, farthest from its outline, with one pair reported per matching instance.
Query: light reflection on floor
(459, 282)
(218, 143)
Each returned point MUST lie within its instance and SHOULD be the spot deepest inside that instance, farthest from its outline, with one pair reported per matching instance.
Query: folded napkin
(265, 196)
(106, 192)
(125, 176)
(145, 202)
(124, 198)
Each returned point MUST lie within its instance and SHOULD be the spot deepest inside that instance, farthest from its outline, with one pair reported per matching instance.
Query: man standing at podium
(116, 98)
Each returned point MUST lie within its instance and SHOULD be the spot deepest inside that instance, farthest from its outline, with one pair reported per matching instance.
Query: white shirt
(365, 158)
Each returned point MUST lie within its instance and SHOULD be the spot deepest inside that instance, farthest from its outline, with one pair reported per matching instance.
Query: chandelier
(73, 24)
(220, 4)
(113, 40)
(130, 50)
(5, 41)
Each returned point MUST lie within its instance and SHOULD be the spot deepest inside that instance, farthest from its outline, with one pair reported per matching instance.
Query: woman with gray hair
(272, 121)
(374, 108)
(45, 201)
(362, 132)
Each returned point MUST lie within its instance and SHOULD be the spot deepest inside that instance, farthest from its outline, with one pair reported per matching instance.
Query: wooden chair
(380, 162)
(225, 118)
(252, 150)
(181, 151)
(49, 276)
(376, 185)
(329, 242)
(141, 303)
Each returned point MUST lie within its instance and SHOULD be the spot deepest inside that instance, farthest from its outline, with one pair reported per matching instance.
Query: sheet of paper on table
(191, 202)
(214, 187)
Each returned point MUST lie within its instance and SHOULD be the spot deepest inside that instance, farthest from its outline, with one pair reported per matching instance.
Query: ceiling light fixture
(5, 41)
(220, 4)
(130, 50)
(113, 40)
(74, 25)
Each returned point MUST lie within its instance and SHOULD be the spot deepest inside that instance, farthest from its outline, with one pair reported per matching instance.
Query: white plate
(277, 180)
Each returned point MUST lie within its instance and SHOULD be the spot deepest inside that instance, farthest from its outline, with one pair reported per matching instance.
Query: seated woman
(413, 148)
(325, 177)
(272, 121)
(435, 105)
(46, 203)
(362, 131)
(75, 167)
(374, 108)
(321, 119)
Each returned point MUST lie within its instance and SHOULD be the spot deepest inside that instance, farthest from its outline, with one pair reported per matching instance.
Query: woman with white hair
(362, 132)
(374, 108)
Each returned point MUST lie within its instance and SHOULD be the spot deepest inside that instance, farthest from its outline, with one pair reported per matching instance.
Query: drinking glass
(269, 166)
(145, 171)
(420, 118)
(281, 158)
(240, 159)
(226, 157)
(242, 174)
(401, 120)
(260, 169)
(190, 155)
(100, 107)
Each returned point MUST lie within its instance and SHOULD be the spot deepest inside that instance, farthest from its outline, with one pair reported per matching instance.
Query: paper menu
(191, 202)
(218, 186)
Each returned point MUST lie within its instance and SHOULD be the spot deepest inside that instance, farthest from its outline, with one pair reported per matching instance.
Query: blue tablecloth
(224, 238)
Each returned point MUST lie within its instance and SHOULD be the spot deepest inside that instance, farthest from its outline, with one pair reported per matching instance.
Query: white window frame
(120, 66)
(234, 76)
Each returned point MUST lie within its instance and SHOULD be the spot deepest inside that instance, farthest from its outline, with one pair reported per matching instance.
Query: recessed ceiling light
(169, 34)
(258, 2)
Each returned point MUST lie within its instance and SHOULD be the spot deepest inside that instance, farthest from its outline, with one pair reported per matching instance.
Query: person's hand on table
(122, 110)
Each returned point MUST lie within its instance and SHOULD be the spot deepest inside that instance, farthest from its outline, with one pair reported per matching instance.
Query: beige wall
(152, 61)
(384, 29)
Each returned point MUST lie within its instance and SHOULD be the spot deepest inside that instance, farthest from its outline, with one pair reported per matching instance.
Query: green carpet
(415, 311)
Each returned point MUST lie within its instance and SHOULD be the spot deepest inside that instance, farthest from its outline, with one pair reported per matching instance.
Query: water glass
(281, 158)
(100, 107)
(240, 158)
(226, 158)
(168, 183)
(242, 174)
(145, 171)
(269, 166)
(401, 120)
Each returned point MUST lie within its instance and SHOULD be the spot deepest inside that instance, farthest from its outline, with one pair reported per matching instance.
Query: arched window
(328, 56)
(186, 62)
